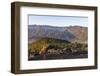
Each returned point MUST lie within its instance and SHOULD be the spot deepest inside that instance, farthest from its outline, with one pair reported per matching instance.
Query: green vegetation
(78, 46)
(56, 48)
(43, 43)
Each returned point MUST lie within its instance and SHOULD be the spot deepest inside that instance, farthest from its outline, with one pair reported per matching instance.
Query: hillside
(80, 33)
(43, 43)
(50, 48)
(71, 33)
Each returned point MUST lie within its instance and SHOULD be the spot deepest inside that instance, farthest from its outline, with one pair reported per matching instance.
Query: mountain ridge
(70, 33)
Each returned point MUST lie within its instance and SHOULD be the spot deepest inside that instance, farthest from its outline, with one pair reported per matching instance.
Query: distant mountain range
(71, 33)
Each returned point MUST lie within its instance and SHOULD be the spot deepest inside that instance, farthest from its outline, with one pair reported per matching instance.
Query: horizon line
(55, 26)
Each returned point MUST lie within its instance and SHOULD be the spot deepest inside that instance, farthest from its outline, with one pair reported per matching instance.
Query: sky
(60, 21)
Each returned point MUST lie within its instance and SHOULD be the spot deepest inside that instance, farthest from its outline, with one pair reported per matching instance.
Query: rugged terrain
(49, 42)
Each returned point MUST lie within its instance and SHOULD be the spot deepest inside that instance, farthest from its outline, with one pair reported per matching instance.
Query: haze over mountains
(70, 33)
